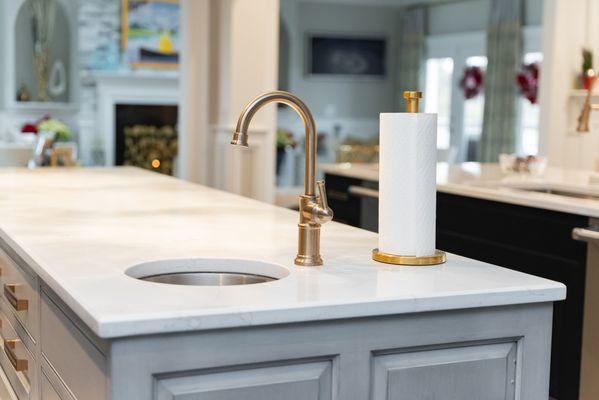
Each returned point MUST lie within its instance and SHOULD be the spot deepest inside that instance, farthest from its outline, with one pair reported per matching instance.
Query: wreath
(528, 81)
(472, 82)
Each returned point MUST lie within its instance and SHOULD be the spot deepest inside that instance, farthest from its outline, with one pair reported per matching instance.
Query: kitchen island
(77, 324)
(533, 224)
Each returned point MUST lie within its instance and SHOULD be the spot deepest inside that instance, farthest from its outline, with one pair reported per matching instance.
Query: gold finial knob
(412, 100)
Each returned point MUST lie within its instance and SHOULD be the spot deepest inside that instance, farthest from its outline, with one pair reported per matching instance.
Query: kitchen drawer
(77, 361)
(6, 391)
(20, 290)
(16, 360)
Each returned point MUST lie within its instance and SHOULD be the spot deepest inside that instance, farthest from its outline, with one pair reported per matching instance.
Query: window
(460, 120)
(437, 96)
(528, 126)
(474, 110)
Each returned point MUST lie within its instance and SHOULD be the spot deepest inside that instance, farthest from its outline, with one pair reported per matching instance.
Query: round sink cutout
(207, 272)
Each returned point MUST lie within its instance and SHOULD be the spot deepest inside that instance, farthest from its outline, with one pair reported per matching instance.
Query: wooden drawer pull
(19, 364)
(10, 292)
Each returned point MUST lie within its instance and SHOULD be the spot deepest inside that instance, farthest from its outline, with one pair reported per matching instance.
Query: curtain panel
(504, 54)
(411, 51)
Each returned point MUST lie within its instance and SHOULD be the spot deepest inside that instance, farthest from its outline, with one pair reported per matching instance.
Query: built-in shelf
(43, 106)
(581, 93)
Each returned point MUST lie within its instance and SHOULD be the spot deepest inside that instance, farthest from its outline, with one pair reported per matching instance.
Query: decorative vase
(281, 151)
(587, 78)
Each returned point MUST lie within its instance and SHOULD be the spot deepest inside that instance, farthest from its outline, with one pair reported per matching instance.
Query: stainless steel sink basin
(208, 278)
(207, 272)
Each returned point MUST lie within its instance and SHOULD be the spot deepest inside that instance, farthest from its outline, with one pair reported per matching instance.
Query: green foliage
(61, 131)
(587, 60)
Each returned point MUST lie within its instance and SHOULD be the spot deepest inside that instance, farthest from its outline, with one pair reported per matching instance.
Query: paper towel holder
(412, 106)
(438, 258)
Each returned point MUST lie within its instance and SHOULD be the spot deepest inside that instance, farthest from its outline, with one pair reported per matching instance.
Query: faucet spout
(314, 209)
(240, 137)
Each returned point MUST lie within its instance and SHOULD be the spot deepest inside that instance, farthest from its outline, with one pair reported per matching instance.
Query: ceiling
(392, 3)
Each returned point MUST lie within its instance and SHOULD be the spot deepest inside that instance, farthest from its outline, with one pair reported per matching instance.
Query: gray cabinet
(303, 381)
(485, 372)
(488, 353)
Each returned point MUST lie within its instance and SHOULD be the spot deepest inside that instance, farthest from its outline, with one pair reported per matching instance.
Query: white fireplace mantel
(131, 87)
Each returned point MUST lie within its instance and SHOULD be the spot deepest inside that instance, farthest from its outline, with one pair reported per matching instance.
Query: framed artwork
(340, 55)
(150, 33)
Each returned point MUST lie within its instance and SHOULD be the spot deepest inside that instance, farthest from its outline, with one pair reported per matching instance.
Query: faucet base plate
(308, 261)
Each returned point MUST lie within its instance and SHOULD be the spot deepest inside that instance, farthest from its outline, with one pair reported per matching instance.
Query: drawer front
(6, 391)
(78, 362)
(16, 360)
(20, 291)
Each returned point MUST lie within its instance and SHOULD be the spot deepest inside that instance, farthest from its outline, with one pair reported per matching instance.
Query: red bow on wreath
(528, 81)
(472, 81)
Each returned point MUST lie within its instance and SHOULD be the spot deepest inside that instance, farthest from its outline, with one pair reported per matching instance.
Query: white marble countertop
(80, 229)
(486, 181)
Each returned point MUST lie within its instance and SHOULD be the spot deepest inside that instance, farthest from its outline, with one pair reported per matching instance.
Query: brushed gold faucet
(314, 210)
(585, 113)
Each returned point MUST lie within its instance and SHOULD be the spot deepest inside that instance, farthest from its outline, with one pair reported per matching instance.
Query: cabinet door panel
(307, 381)
(484, 372)
(48, 391)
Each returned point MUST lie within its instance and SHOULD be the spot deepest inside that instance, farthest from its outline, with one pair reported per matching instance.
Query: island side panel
(506, 349)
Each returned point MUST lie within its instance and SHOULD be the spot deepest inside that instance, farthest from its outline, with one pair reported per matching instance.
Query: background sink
(207, 272)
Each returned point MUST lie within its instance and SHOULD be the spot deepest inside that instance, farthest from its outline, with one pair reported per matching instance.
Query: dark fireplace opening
(146, 136)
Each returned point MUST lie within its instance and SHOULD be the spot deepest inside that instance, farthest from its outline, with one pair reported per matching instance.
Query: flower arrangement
(284, 139)
(61, 131)
(472, 82)
(528, 81)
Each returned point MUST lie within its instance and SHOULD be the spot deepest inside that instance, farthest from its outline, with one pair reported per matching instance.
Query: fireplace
(146, 136)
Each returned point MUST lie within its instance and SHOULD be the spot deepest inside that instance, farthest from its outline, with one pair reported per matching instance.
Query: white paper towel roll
(407, 183)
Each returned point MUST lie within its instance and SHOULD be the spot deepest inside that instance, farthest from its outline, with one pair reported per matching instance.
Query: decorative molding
(129, 88)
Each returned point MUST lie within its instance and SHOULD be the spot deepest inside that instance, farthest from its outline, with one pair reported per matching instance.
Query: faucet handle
(325, 214)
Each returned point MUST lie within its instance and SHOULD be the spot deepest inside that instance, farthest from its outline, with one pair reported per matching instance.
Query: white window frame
(458, 46)
(461, 46)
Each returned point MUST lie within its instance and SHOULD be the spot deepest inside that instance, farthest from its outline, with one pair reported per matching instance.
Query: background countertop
(486, 181)
(80, 229)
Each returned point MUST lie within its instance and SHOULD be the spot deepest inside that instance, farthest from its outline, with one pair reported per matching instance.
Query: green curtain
(504, 54)
(411, 51)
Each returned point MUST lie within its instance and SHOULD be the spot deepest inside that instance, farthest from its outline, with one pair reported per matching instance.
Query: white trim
(113, 89)
(194, 139)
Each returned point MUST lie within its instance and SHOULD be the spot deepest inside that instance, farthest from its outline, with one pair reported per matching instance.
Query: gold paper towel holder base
(438, 258)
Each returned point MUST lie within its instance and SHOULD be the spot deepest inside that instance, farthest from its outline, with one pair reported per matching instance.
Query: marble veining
(81, 229)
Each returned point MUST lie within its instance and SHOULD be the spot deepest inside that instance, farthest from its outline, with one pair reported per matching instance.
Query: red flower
(29, 128)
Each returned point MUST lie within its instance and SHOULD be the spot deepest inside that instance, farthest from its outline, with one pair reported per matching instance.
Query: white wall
(340, 97)
(236, 62)
(473, 15)
(568, 26)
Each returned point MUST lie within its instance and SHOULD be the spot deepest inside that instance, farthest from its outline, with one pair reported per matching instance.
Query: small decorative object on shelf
(472, 82)
(23, 94)
(588, 72)
(533, 165)
(528, 81)
(43, 22)
(51, 134)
